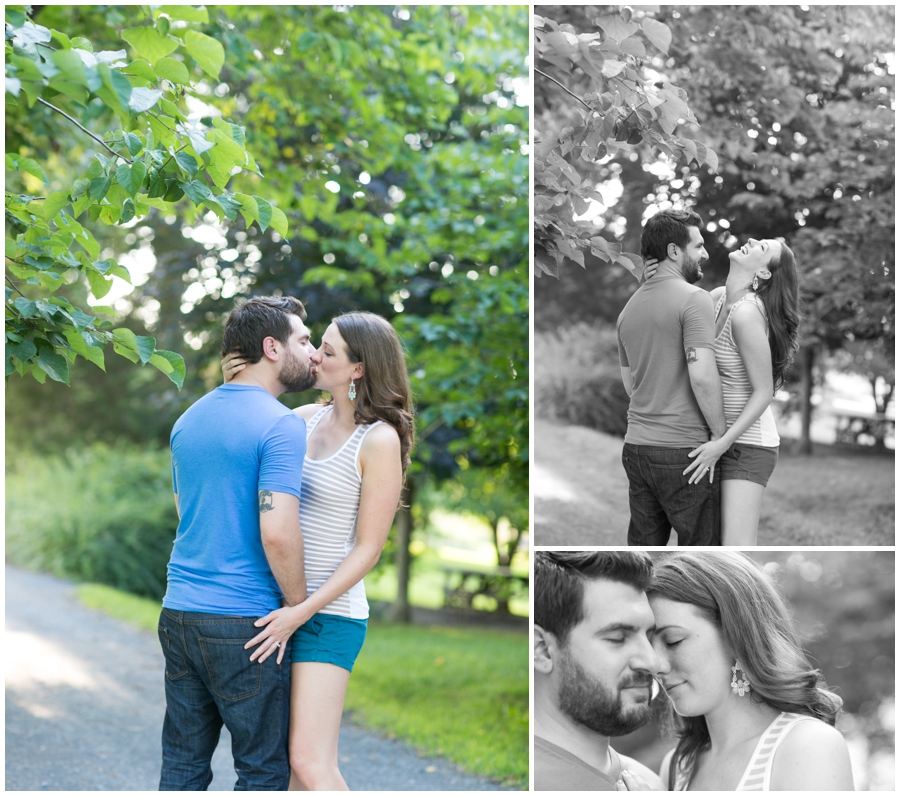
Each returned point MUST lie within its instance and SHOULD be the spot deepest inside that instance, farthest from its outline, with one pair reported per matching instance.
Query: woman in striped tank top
(358, 448)
(757, 314)
(748, 709)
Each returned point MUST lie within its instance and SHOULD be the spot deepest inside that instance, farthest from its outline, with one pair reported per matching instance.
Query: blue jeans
(210, 681)
(661, 499)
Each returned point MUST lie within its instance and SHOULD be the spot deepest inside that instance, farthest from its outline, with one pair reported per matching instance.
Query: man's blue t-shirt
(230, 444)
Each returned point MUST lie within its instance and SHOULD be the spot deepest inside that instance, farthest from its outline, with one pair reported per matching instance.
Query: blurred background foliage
(395, 140)
(798, 104)
(843, 608)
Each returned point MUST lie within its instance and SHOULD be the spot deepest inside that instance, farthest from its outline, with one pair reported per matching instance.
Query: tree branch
(83, 129)
(14, 287)
(170, 158)
(538, 71)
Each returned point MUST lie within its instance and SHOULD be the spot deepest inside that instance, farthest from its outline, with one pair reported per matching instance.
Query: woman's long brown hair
(383, 392)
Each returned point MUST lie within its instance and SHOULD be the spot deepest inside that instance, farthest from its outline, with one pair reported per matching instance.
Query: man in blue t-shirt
(237, 462)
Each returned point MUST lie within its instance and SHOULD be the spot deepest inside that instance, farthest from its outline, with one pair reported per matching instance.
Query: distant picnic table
(463, 585)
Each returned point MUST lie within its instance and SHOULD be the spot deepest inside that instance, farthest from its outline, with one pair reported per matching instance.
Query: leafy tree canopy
(145, 150)
(394, 139)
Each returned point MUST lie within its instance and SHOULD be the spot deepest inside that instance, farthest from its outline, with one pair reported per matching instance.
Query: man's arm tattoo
(266, 501)
(691, 354)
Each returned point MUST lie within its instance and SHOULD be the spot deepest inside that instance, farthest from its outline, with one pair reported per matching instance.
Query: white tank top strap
(758, 774)
(752, 298)
(361, 432)
(314, 420)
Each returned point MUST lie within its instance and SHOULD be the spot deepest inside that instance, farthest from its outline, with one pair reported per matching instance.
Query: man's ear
(270, 348)
(545, 649)
(672, 251)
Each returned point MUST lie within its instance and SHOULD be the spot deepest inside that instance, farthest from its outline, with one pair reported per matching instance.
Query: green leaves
(206, 51)
(184, 13)
(142, 99)
(132, 98)
(172, 70)
(149, 43)
(131, 178)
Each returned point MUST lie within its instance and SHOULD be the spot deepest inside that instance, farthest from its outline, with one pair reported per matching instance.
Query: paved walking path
(580, 488)
(85, 705)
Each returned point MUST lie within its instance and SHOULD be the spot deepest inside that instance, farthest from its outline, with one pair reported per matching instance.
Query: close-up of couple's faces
(624, 639)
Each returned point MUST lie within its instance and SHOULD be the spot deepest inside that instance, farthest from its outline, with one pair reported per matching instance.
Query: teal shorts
(329, 639)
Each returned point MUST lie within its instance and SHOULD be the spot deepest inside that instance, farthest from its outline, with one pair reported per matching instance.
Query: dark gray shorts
(748, 463)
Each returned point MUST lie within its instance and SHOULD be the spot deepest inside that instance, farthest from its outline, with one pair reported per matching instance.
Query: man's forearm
(279, 529)
(709, 397)
(284, 552)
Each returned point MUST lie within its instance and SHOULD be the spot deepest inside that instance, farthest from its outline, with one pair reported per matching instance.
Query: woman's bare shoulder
(812, 756)
(382, 437)
(308, 411)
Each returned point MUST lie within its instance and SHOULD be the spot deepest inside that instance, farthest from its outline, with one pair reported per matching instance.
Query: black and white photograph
(713, 299)
(713, 670)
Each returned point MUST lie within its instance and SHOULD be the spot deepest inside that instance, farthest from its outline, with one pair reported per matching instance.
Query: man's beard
(589, 702)
(690, 270)
(294, 377)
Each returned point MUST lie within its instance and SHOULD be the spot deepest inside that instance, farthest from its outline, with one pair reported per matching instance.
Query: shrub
(577, 378)
(100, 514)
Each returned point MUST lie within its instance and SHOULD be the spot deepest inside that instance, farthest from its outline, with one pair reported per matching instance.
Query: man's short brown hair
(254, 320)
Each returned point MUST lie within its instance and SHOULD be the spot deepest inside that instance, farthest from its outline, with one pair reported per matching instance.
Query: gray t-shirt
(557, 769)
(663, 318)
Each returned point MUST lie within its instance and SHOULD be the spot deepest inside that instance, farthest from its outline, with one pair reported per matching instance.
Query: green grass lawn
(455, 692)
(459, 693)
(829, 498)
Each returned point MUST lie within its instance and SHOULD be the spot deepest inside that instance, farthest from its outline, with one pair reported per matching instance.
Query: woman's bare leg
(317, 704)
(741, 503)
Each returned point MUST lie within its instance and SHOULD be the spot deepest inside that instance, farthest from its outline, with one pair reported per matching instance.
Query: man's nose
(648, 659)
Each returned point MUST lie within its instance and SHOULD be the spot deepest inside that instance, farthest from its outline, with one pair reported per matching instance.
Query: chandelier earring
(755, 283)
(740, 685)
(351, 393)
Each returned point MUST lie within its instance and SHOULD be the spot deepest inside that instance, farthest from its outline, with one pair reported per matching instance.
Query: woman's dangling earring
(740, 685)
(755, 283)
(351, 393)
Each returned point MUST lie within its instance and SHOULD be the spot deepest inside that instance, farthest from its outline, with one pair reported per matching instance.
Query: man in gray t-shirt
(666, 337)
(594, 667)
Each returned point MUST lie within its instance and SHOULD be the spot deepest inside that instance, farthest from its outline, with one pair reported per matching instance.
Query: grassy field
(455, 692)
(459, 693)
(832, 498)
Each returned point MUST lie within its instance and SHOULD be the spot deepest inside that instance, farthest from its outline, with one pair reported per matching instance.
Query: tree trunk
(401, 610)
(807, 359)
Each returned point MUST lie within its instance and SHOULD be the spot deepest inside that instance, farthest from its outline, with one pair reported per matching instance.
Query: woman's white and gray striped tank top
(758, 774)
(329, 507)
(736, 384)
